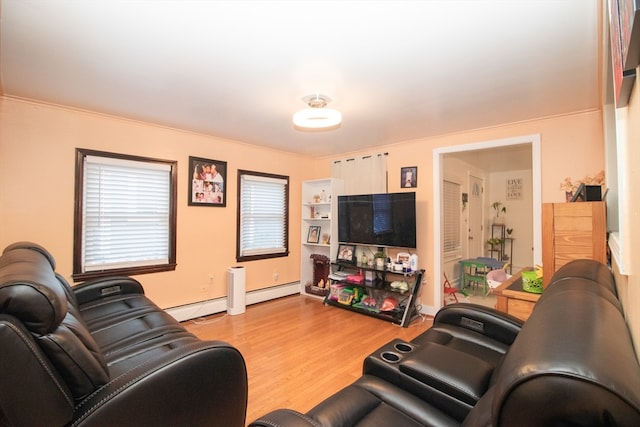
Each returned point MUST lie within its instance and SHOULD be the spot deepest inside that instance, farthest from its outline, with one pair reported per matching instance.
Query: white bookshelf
(319, 209)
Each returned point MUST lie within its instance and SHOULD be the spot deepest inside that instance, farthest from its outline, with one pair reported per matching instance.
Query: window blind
(263, 215)
(126, 213)
(451, 215)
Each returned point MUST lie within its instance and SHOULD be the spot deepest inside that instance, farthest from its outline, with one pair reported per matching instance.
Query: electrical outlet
(206, 287)
(276, 276)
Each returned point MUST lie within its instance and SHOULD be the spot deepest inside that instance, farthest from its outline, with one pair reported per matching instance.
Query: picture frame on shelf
(326, 239)
(403, 257)
(314, 234)
(347, 253)
(207, 180)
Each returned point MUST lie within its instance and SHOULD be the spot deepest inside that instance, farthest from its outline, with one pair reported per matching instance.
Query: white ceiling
(397, 70)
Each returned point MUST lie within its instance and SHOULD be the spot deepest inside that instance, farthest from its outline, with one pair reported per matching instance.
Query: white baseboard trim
(218, 305)
(266, 294)
(198, 309)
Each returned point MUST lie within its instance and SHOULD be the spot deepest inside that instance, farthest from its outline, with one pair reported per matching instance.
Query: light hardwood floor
(299, 351)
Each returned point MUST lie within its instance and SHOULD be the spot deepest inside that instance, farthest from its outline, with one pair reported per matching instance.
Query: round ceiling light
(317, 116)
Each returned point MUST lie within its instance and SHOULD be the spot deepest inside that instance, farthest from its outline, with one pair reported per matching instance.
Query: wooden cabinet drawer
(520, 308)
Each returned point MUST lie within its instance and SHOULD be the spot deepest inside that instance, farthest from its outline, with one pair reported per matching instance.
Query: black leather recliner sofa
(102, 354)
(572, 363)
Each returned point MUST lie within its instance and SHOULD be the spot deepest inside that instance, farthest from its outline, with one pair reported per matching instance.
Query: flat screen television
(385, 219)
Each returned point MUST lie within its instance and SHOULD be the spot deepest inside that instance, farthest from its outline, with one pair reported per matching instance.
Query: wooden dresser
(572, 231)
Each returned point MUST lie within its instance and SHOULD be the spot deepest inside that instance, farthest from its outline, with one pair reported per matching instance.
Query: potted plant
(380, 258)
(494, 241)
(498, 207)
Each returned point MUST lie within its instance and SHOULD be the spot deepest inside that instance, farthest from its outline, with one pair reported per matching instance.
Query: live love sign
(514, 188)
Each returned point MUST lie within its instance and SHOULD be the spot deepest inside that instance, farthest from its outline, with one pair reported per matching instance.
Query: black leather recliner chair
(102, 354)
(572, 363)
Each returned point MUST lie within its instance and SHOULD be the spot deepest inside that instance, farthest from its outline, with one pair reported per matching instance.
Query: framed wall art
(629, 12)
(622, 13)
(207, 182)
(409, 177)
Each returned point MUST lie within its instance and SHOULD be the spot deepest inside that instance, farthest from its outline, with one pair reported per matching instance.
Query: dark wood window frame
(78, 269)
(274, 254)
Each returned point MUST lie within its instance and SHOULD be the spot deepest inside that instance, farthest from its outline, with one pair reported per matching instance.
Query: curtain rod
(363, 157)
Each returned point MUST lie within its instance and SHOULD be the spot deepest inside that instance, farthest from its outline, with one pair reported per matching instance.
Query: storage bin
(531, 282)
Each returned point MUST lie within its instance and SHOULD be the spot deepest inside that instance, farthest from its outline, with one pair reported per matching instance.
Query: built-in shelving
(320, 211)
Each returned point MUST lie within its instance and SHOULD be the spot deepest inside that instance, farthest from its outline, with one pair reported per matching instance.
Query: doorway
(532, 143)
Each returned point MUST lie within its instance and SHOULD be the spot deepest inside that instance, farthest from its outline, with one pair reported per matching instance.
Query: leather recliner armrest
(97, 289)
(201, 383)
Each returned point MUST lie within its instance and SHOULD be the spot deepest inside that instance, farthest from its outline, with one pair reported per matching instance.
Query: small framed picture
(346, 253)
(314, 234)
(207, 179)
(409, 177)
(403, 258)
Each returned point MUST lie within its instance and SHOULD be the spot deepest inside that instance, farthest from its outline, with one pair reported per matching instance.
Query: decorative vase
(498, 220)
(568, 195)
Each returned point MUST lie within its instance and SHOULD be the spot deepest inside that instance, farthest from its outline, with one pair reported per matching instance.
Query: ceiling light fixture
(317, 116)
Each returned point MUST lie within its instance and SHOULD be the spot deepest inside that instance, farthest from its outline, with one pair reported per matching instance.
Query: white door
(475, 232)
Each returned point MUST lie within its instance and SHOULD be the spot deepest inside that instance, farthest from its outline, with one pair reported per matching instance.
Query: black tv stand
(378, 288)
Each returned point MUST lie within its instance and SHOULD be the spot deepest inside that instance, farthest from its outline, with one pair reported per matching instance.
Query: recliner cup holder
(390, 356)
(403, 347)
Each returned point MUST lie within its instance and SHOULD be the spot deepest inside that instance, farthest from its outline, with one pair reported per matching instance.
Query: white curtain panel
(362, 175)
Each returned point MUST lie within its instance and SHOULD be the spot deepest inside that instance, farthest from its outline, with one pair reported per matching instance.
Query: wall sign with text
(514, 188)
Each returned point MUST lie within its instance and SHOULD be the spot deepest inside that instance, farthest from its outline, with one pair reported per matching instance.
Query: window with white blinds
(125, 215)
(263, 215)
(451, 215)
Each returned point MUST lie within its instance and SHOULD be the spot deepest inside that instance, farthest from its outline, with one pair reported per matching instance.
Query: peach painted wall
(571, 145)
(37, 144)
(37, 152)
